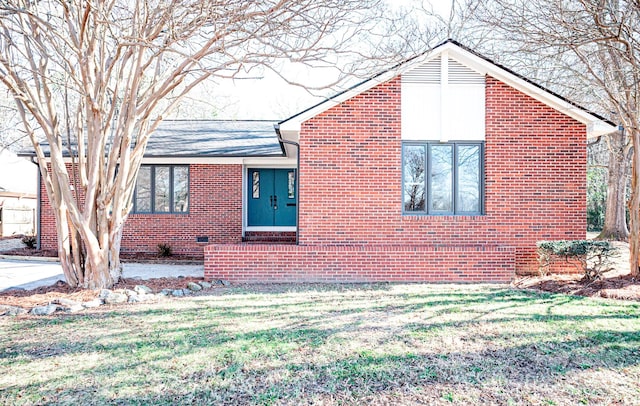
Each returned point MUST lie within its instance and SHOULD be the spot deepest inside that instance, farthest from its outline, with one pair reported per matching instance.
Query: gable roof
(596, 124)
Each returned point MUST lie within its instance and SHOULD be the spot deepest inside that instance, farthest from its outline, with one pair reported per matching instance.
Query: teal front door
(271, 197)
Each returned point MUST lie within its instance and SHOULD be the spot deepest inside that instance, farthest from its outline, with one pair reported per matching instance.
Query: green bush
(596, 197)
(30, 241)
(590, 256)
(165, 250)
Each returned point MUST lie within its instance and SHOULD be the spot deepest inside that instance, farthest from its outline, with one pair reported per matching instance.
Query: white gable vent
(460, 74)
(427, 73)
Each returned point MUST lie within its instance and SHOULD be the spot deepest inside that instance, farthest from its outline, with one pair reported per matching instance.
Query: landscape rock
(11, 310)
(115, 297)
(194, 286)
(130, 292)
(72, 309)
(224, 282)
(177, 292)
(165, 292)
(65, 302)
(205, 285)
(104, 293)
(44, 310)
(142, 289)
(92, 303)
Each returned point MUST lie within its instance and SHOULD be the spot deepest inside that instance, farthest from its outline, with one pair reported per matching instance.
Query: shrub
(596, 197)
(165, 250)
(30, 241)
(590, 256)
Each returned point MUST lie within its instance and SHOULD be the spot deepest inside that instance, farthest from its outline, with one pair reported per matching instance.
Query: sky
(263, 95)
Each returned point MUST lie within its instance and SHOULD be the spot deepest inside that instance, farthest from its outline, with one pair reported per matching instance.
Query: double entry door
(271, 197)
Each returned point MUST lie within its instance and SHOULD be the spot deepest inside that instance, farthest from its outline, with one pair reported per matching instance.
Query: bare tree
(594, 46)
(615, 218)
(94, 78)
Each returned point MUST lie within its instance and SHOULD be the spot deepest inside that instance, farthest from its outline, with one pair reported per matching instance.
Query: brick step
(269, 237)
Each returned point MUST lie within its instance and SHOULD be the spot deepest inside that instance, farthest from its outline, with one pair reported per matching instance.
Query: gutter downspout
(38, 203)
(297, 145)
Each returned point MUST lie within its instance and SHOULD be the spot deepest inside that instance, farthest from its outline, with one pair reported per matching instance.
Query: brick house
(445, 168)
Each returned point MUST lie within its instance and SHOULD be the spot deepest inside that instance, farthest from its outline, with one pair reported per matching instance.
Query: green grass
(331, 344)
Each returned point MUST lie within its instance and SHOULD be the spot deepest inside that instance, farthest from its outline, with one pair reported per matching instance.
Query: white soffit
(469, 60)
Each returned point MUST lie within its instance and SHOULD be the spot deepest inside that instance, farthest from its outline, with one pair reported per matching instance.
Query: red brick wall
(359, 263)
(350, 177)
(215, 193)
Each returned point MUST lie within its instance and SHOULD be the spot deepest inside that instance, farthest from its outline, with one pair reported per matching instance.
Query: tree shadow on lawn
(362, 374)
(217, 313)
(266, 364)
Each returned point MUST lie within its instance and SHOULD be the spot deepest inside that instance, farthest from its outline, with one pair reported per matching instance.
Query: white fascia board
(271, 162)
(487, 68)
(295, 124)
(290, 135)
(598, 128)
(474, 62)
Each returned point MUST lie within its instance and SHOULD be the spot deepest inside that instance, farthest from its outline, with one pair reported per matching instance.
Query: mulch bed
(623, 287)
(616, 287)
(30, 252)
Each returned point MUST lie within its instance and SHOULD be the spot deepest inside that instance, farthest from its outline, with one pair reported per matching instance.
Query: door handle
(275, 202)
(271, 201)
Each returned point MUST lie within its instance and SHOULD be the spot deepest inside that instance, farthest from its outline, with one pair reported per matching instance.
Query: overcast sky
(267, 96)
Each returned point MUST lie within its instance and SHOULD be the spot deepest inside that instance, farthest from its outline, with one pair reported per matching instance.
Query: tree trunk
(615, 220)
(634, 206)
(82, 265)
(100, 257)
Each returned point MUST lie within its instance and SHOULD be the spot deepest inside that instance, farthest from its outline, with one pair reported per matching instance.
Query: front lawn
(330, 344)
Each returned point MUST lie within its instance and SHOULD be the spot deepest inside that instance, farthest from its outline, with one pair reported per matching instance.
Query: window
(162, 189)
(442, 178)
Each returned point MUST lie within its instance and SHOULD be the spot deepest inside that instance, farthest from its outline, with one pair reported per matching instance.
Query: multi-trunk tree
(595, 44)
(92, 79)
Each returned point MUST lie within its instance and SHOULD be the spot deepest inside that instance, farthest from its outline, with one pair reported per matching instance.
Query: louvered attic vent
(429, 73)
(460, 74)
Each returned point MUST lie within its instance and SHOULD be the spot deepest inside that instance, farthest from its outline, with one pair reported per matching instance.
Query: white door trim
(245, 198)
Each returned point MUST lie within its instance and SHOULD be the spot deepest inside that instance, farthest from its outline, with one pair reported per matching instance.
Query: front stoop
(269, 237)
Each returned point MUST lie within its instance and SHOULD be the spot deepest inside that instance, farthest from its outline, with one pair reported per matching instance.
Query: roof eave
(596, 125)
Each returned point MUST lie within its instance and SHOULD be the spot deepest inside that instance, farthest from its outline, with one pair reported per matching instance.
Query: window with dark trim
(443, 178)
(162, 189)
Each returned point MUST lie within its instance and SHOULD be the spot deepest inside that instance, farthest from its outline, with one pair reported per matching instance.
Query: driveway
(32, 274)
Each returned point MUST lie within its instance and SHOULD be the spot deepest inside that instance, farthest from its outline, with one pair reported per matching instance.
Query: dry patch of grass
(328, 344)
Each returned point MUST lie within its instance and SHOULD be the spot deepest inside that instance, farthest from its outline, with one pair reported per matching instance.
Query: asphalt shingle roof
(210, 138)
(214, 138)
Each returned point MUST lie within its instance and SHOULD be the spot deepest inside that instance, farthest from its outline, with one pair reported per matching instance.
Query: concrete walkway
(32, 274)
